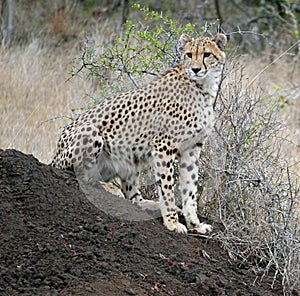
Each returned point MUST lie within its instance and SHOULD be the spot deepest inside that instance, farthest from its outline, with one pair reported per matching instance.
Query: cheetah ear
(183, 40)
(221, 40)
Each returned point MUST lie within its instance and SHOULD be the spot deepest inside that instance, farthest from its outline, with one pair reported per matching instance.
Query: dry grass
(281, 80)
(34, 89)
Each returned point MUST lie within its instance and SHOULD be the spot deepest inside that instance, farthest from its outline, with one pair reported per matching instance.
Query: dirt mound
(54, 241)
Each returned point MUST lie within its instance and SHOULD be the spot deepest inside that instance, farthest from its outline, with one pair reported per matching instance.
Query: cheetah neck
(208, 86)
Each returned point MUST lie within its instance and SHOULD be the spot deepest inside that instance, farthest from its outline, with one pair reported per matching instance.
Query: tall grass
(280, 81)
(35, 89)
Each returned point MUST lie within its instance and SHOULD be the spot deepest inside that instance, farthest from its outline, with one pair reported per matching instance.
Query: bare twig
(273, 62)
(55, 118)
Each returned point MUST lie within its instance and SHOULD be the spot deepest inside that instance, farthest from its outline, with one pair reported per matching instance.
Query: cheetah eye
(189, 54)
(207, 54)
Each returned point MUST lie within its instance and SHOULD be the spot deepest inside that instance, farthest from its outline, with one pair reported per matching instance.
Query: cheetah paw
(202, 228)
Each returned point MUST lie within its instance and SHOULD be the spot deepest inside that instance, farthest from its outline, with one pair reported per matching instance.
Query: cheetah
(162, 122)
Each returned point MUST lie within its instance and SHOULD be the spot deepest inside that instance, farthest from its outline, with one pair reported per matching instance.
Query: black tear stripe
(215, 56)
(204, 64)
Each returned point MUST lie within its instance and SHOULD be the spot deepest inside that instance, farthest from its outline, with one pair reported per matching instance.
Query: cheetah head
(203, 56)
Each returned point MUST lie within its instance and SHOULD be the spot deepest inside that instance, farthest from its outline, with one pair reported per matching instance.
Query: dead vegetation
(250, 183)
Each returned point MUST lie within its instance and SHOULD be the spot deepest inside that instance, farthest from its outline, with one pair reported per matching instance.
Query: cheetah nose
(196, 70)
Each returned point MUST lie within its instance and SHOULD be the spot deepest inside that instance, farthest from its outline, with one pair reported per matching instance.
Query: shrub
(248, 185)
(135, 55)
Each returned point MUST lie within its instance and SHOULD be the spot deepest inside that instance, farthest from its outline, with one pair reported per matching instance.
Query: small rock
(201, 278)
(130, 291)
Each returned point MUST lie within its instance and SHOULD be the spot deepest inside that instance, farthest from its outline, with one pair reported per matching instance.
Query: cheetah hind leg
(132, 193)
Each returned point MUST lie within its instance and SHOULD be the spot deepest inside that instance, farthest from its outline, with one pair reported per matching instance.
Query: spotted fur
(165, 120)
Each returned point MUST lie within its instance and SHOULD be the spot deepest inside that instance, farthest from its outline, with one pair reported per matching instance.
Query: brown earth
(53, 241)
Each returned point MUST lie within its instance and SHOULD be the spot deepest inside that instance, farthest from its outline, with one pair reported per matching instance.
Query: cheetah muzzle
(151, 127)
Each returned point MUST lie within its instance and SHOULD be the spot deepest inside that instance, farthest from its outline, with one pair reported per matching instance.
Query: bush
(137, 53)
(248, 186)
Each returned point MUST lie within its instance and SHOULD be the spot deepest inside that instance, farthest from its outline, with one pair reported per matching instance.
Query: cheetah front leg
(163, 158)
(188, 181)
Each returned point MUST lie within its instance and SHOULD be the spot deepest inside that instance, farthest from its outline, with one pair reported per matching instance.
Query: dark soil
(53, 241)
